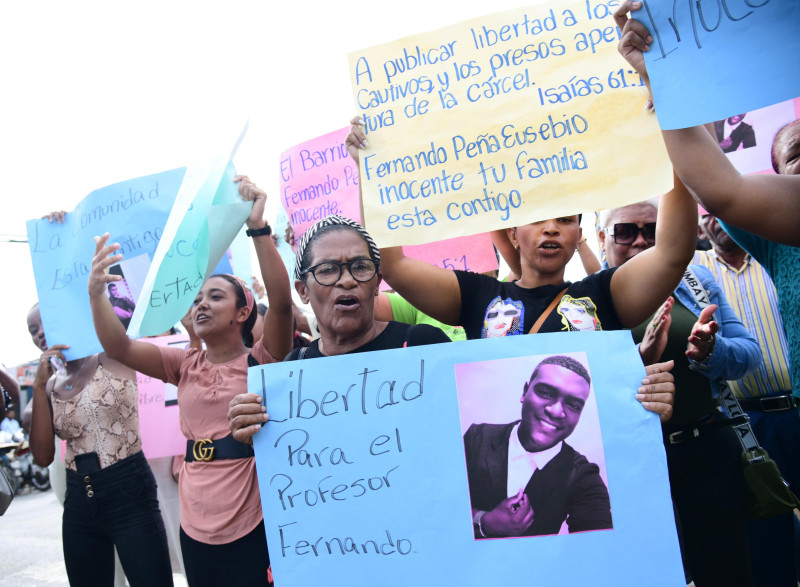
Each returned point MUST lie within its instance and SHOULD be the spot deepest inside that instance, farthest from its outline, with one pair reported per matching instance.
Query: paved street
(30, 535)
(30, 532)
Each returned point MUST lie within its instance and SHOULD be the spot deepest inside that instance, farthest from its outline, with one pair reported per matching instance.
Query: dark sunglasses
(625, 233)
(328, 273)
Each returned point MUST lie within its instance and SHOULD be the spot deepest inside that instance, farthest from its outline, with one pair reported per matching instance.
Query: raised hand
(356, 138)
(655, 335)
(703, 336)
(45, 368)
(635, 39)
(56, 216)
(102, 260)
(250, 192)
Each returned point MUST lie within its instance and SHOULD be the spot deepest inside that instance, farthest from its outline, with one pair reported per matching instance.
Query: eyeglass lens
(626, 232)
(329, 273)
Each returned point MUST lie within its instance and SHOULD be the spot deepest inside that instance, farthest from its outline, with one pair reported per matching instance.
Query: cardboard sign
(501, 121)
(318, 178)
(713, 60)
(159, 422)
(207, 216)
(363, 467)
(746, 138)
(134, 212)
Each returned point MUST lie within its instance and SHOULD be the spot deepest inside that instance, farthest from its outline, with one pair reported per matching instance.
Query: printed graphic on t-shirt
(504, 317)
(578, 314)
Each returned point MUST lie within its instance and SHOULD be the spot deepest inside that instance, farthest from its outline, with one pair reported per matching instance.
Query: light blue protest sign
(714, 59)
(134, 212)
(207, 215)
(236, 260)
(285, 250)
(239, 257)
(369, 473)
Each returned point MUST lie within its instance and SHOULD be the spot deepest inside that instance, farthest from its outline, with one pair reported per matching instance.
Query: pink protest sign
(470, 253)
(318, 178)
(747, 138)
(158, 409)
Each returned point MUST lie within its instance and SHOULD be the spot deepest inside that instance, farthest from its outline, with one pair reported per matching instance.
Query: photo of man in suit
(733, 133)
(524, 479)
(122, 304)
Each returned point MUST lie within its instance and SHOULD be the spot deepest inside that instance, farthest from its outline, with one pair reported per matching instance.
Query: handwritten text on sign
(134, 212)
(318, 178)
(362, 471)
(208, 212)
(500, 121)
(717, 58)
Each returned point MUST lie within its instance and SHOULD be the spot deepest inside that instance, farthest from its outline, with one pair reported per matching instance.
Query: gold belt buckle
(201, 452)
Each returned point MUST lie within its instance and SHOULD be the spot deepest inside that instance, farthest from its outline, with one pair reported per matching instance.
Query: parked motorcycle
(16, 460)
(8, 446)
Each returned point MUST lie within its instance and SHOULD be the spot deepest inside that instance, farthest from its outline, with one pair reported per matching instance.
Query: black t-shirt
(492, 308)
(396, 335)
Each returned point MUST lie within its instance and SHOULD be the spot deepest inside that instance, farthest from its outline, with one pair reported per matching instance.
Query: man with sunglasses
(631, 228)
(703, 452)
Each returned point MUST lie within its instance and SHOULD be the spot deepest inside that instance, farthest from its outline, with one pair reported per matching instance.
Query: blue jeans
(114, 507)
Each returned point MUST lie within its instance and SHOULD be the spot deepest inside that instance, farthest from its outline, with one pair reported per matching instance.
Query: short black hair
(565, 362)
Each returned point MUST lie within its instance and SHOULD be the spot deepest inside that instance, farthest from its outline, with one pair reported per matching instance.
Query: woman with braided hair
(338, 272)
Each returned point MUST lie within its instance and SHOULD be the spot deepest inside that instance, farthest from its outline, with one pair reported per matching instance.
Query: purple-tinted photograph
(734, 133)
(750, 149)
(120, 296)
(533, 448)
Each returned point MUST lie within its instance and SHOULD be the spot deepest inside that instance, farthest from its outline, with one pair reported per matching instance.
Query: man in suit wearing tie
(524, 480)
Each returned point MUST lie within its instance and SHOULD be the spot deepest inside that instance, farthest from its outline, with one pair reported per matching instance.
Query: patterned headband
(333, 220)
(248, 295)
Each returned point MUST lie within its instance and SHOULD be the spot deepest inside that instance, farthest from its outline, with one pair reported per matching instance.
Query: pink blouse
(220, 501)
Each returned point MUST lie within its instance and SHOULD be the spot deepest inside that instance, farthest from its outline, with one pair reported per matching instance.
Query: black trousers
(114, 507)
(244, 561)
(708, 492)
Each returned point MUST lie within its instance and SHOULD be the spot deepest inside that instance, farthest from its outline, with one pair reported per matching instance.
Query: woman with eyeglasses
(703, 451)
(222, 529)
(338, 272)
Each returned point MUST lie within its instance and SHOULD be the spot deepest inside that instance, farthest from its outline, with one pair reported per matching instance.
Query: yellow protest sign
(503, 120)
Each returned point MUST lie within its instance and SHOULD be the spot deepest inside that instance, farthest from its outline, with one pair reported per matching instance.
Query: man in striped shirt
(765, 394)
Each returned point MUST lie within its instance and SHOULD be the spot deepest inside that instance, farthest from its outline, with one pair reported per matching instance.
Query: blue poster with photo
(400, 466)
(134, 212)
(714, 60)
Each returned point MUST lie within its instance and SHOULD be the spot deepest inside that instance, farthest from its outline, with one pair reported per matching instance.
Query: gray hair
(605, 216)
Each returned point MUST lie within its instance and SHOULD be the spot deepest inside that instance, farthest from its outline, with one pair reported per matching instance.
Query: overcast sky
(97, 92)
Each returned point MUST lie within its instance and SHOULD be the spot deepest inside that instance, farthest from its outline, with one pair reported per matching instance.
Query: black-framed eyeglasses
(329, 272)
(625, 233)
